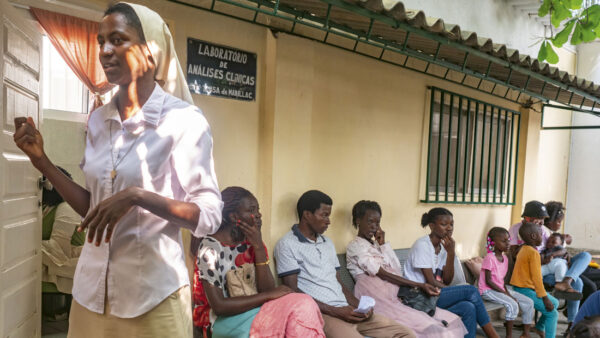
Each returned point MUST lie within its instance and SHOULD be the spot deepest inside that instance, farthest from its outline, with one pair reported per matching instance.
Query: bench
(461, 275)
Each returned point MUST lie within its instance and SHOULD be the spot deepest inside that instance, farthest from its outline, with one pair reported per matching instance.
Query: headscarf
(160, 43)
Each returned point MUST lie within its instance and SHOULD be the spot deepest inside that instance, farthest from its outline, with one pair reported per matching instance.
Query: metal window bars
(472, 151)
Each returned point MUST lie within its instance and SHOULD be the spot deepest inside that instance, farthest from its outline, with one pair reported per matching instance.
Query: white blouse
(165, 148)
(363, 256)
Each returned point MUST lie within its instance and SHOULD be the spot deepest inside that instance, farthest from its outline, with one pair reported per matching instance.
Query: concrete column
(529, 143)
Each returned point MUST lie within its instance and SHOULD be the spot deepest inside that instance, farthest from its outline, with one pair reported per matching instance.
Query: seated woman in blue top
(431, 260)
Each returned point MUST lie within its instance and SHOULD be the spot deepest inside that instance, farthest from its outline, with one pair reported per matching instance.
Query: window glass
(62, 90)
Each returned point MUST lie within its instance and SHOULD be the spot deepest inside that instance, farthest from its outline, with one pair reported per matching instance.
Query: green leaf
(544, 8)
(563, 36)
(588, 35)
(551, 57)
(543, 53)
(591, 17)
(597, 32)
(573, 4)
(577, 36)
(559, 13)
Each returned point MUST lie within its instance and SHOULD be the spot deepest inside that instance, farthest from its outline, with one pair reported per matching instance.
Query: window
(472, 151)
(62, 90)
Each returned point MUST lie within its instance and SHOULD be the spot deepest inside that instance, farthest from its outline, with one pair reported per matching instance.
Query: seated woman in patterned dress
(273, 311)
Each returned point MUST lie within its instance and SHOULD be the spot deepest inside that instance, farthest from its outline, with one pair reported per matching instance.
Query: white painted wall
(496, 19)
(583, 197)
(64, 140)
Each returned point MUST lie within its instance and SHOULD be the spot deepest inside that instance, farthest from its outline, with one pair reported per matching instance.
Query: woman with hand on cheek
(271, 311)
(431, 260)
(378, 274)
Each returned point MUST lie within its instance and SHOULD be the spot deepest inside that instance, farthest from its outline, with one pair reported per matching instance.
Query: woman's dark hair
(232, 197)
(51, 197)
(311, 201)
(129, 13)
(360, 209)
(429, 217)
(496, 231)
(555, 210)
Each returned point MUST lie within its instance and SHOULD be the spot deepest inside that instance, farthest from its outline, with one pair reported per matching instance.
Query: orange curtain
(75, 39)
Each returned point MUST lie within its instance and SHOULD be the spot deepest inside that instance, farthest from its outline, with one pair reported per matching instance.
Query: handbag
(415, 298)
(241, 281)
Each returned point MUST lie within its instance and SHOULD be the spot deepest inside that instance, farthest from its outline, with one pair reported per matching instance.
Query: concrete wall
(494, 19)
(335, 121)
(582, 201)
(353, 128)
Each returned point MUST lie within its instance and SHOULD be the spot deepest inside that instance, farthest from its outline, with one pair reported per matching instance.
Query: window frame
(505, 150)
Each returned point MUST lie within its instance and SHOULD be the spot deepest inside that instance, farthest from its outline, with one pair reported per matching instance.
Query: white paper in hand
(365, 304)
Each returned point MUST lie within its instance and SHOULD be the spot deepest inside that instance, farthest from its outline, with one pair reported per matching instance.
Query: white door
(20, 216)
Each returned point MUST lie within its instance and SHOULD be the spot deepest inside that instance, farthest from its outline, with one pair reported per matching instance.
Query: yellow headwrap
(160, 42)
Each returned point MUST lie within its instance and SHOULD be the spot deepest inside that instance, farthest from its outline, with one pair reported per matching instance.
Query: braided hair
(232, 197)
(430, 216)
(360, 209)
(491, 237)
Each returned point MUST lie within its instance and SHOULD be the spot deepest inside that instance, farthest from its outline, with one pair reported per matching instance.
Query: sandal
(569, 294)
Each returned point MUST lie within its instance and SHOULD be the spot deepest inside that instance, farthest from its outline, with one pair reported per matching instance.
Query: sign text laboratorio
(221, 71)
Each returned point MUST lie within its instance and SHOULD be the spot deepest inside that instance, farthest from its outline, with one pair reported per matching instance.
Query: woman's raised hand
(252, 232)
(448, 243)
(380, 236)
(29, 139)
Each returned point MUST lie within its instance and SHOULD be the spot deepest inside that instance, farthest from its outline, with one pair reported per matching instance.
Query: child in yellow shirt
(527, 280)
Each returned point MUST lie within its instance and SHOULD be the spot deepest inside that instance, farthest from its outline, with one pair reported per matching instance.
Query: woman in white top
(149, 172)
(431, 260)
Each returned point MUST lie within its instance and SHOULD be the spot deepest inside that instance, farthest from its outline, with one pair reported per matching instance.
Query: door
(20, 215)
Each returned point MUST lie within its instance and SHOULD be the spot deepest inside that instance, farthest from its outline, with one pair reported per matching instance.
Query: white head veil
(160, 42)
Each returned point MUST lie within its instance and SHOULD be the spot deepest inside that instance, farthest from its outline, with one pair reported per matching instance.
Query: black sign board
(221, 71)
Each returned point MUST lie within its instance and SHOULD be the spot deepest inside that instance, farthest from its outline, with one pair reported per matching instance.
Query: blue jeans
(579, 263)
(464, 301)
(548, 319)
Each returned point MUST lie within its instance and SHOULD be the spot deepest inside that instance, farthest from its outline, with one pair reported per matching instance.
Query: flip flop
(568, 295)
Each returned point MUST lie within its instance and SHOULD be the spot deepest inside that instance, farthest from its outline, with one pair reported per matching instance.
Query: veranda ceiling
(412, 40)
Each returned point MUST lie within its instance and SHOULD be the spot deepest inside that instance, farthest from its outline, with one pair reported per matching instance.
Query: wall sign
(221, 71)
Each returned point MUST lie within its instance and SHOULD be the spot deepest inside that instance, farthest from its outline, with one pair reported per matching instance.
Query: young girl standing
(491, 282)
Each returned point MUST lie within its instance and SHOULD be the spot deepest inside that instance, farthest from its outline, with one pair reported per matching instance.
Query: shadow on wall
(286, 210)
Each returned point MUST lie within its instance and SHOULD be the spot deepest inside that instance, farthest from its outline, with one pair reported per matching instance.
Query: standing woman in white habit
(149, 172)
